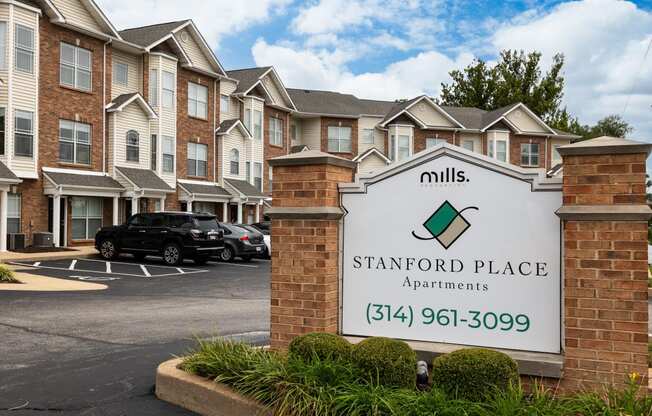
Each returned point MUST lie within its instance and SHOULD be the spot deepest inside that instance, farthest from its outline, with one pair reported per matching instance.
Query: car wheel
(108, 250)
(200, 261)
(246, 258)
(172, 254)
(227, 254)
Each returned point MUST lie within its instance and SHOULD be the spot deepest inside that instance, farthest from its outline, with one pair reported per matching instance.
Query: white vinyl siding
(311, 133)
(275, 131)
(429, 115)
(371, 163)
(225, 102)
(130, 119)
(86, 217)
(74, 142)
(339, 139)
(367, 136)
(121, 74)
(193, 50)
(75, 67)
(197, 100)
(75, 11)
(134, 75)
(233, 109)
(24, 48)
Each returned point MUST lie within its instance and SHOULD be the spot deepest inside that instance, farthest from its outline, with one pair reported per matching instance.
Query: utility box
(15, 242)
(43, 240)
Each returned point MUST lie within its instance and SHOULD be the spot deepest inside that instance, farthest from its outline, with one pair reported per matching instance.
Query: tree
(613, 125)
(516, 77)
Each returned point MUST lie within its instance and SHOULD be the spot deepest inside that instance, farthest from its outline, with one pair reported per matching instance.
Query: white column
(189, 206)
(56, 220)
(116, 210)
(162, 202)
(240, 208)
(134, 205)
(4, 200)
(225, 212)
(257, 218)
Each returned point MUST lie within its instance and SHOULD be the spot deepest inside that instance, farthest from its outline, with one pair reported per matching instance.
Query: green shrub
(474, 373)
(7, 275)
(649, 354)
(320, 345)
(390, 362)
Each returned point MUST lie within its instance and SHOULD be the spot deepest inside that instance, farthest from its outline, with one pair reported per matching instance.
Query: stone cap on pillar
(605, 145)
(312, 157)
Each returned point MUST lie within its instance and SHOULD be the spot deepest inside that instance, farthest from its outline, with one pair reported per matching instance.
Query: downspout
(103, 105)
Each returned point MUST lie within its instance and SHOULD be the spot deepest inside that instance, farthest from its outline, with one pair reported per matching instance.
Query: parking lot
(95, 353)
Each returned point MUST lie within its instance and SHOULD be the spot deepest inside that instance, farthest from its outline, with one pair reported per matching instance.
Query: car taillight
(244, 238)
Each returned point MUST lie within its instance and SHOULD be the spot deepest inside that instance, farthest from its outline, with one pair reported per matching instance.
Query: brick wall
(420, 137)
(190, 129)
(515, 149)
(343, 122)
(272, 151)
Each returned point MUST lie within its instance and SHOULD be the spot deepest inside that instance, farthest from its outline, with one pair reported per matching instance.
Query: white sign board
(453, 248)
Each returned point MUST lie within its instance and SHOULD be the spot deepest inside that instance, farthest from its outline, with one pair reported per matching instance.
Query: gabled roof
(151, 36)
(144, 179)
(81, 179)
(7, 176)
(227, 126)
(244, 188)
(369, 152)
(404, 107)
(249, 78)
(55, 14)
(325, 102)
(205, 188)
(500, 114)
(120, 102)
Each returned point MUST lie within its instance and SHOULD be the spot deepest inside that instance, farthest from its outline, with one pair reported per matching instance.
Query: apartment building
(97, 124)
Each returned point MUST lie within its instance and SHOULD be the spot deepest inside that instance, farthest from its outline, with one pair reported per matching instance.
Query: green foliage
(320, 345)
(7, 275)
(516, 77)
(391, 362)
(474, 373)
(290, 386)
(649, 345)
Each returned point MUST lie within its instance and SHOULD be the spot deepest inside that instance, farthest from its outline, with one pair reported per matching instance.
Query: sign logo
(446, 225)
(448, 175)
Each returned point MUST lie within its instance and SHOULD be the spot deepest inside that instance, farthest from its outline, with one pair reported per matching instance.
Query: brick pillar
(306, 218)
(605, 218)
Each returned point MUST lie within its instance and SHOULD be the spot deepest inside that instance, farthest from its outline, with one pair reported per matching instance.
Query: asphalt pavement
(95, 353)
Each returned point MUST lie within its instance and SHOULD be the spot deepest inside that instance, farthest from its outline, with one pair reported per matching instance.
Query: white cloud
(604, 43)
(215, 18)
(306, 68)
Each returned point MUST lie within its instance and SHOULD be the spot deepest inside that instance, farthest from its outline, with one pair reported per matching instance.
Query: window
(293, 133)
(529, 154)
(24, 134)
(13, 213)
(2, 131)
(258, 125)
(24, 49)
(3, 45)
(74, 142)
(153, 146)
(167, 92)
(498, 146)
(368, 136)
(556, 157)
(133, 147)
(86, 218)
(339, 139)
(153, 88)
(75, 67)
(403, 147)
(468, 144)
(197, 100)
(275, 131)
(168, 154)
(248, 171)
(224, 103)
(432, 142)
(247, 119)
(258, 175)
(197, 159)
(121, 73)
(234, 158)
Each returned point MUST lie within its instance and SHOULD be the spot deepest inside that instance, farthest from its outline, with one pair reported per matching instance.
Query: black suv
(172, 235)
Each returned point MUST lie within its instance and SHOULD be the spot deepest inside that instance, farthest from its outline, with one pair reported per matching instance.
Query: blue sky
(400, 48)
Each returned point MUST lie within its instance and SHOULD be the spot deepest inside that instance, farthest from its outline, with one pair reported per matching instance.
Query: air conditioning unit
(15, 242)
(43, 240)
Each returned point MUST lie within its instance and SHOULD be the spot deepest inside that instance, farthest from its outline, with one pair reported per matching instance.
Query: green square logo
(446, 225)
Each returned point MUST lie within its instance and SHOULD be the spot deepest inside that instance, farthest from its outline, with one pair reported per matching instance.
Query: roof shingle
(144, 179)
(146, 35)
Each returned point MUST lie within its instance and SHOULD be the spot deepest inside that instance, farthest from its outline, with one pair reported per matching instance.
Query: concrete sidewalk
(75, 253)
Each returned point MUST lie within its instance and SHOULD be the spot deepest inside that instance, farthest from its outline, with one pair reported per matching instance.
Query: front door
(62, 219)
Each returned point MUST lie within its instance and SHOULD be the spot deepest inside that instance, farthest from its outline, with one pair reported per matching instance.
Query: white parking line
(145, 271)
(108, 267)
(176, 273)
(180, 270)
(72, 265)
(38, 263)
(240, 265)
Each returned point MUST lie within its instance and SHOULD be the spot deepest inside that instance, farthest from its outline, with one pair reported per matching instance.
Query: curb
(40, 257)
(201, 395)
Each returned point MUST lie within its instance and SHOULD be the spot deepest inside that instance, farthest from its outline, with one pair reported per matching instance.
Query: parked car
(172, 235)
(264, 226)
(267, 239)
(241, 242)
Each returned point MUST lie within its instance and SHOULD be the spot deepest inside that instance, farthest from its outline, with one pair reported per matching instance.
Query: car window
(225, 229)
(205, 223)
(139, 220)
(177, 221)
(158, 220)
